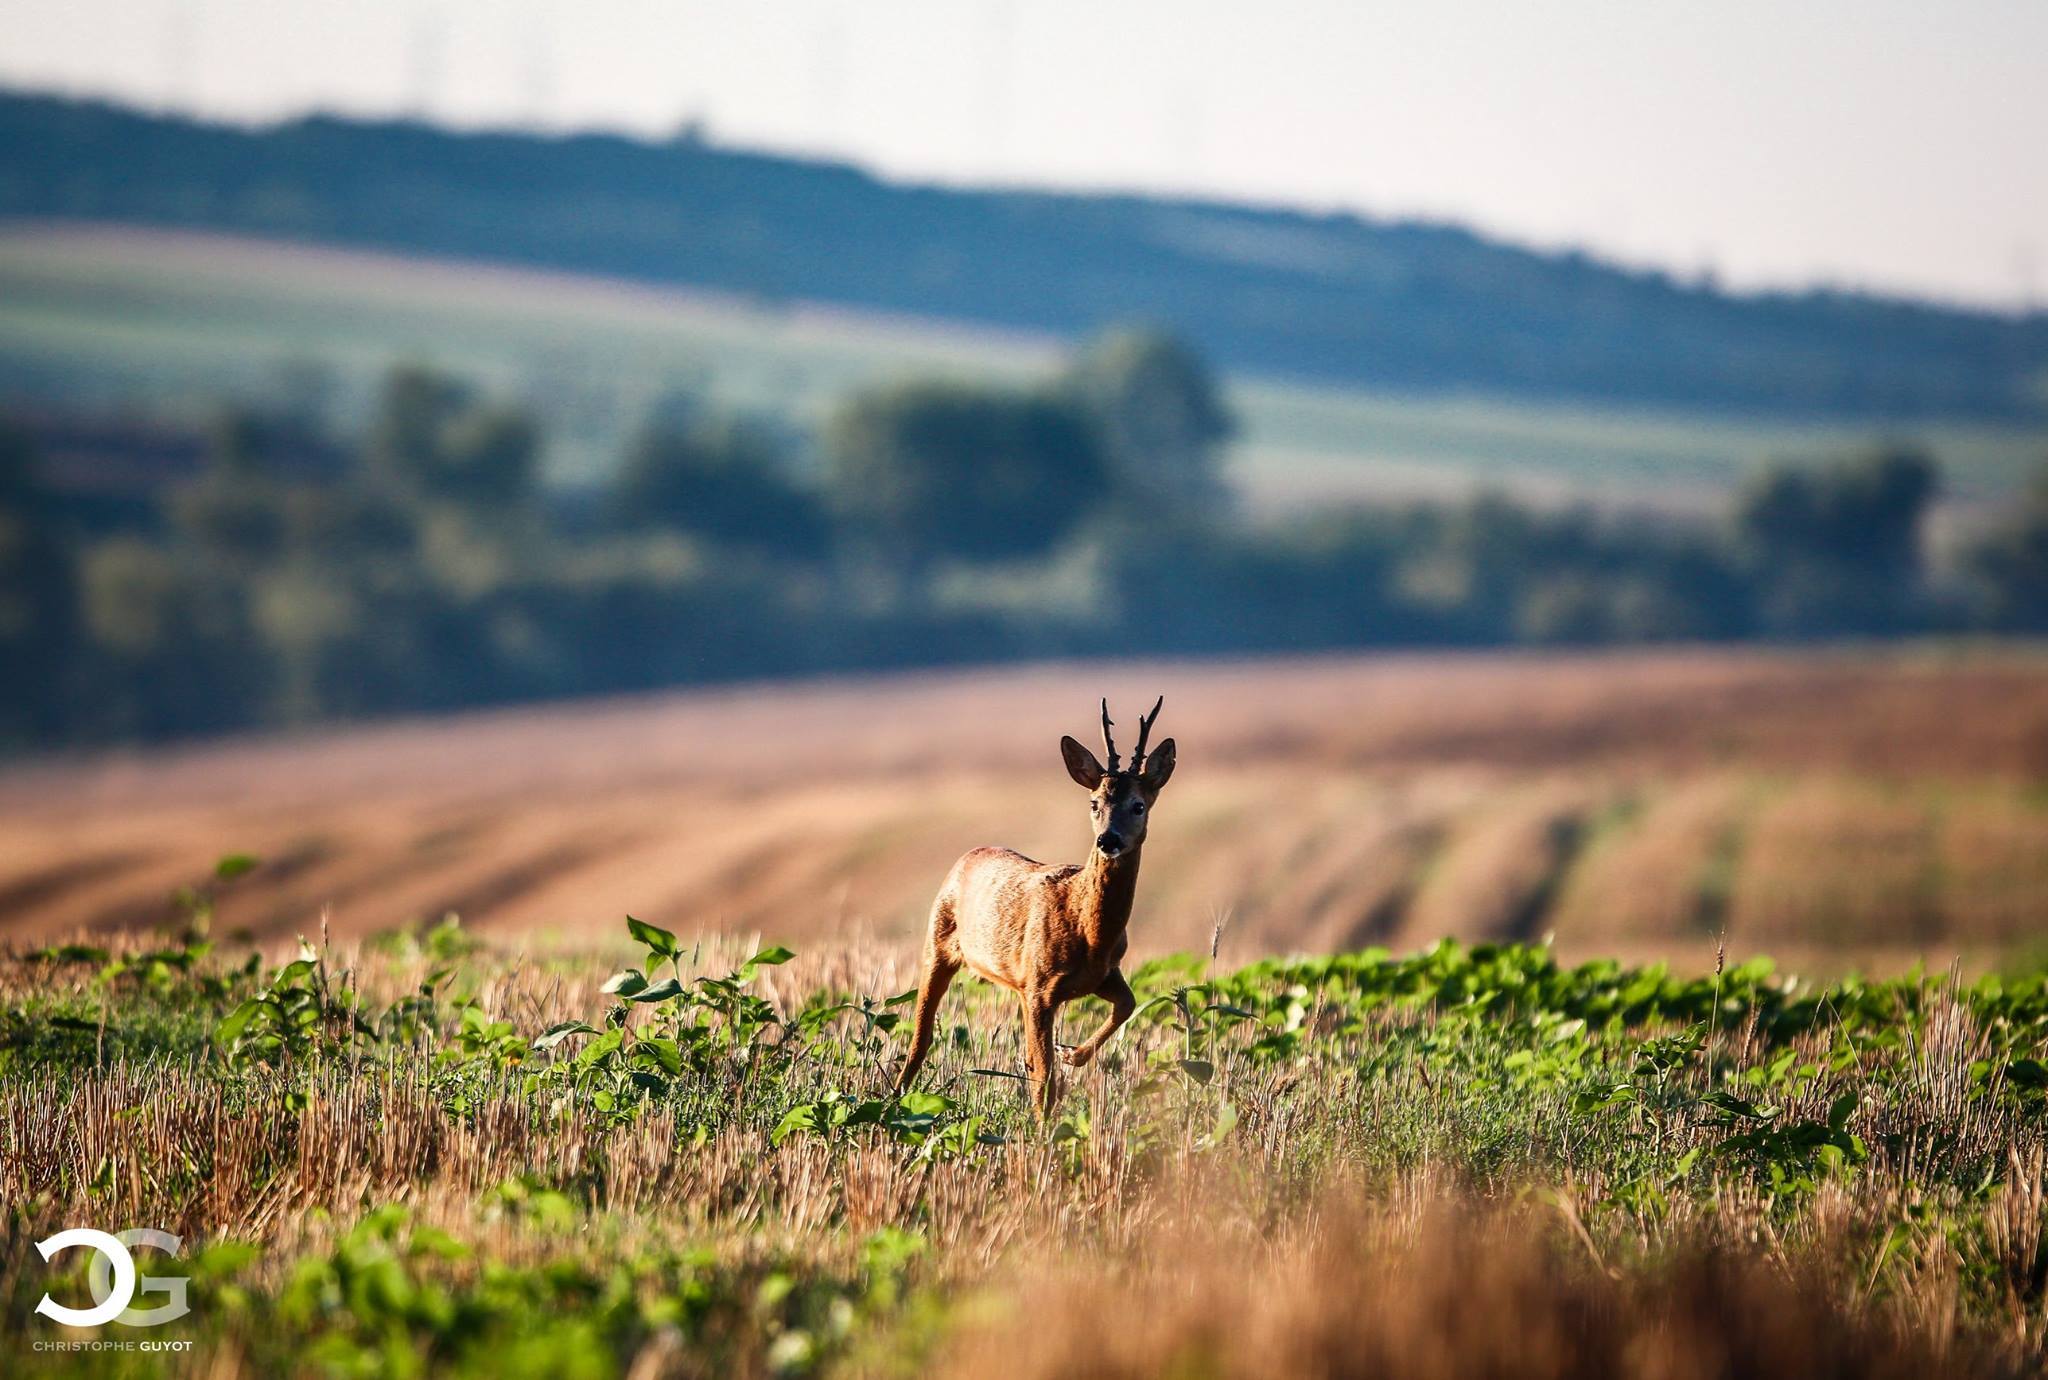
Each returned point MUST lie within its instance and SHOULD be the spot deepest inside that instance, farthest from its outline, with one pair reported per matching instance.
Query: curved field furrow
(1855, 805)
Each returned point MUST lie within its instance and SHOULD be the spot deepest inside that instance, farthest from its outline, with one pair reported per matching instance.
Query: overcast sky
(1897, 144)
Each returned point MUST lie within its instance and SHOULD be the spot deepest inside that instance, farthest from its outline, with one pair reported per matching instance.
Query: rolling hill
(1322, 298)
(122, 320)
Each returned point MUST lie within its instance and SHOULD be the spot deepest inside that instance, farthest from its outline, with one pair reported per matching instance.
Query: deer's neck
(1107, 888)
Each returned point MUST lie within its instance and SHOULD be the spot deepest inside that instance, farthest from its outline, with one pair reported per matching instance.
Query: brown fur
(1048, 932)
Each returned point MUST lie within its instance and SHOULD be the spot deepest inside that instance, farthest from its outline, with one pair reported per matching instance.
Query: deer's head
(1120, 799)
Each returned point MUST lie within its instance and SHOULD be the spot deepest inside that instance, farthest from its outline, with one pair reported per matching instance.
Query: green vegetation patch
(431, 1158)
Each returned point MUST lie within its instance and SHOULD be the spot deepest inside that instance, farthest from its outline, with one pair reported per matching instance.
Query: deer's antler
(1108, 743)
(1144, 731)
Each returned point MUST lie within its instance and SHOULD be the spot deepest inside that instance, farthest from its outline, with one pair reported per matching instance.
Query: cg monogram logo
(114, 1280)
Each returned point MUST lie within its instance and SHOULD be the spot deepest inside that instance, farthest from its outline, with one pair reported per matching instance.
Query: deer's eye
(1139, 808)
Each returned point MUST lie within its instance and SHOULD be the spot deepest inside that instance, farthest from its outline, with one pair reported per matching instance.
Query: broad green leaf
(236, 1021)
(889, 1249)
(870, 1111)
(1201, 1070)
(625, 984)
(657, 939)
(2027, 1073)
(660, 991)
(71, 953)
(432, 1240)
(662, 1052)
(799, 1118)
(814, 1020)
(1071, 1127)
(558, 1033)
(1736, 1106)
(600, 1047)
(772, 955)
(235, 865)
(224, 1258)
(1600, 1096)
(1683, 1166)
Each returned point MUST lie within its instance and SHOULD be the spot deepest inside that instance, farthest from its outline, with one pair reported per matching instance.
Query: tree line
(926, 522)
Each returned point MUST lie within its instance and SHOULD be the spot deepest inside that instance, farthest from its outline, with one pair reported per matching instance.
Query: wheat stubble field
(1841, 807)
(548, 1142)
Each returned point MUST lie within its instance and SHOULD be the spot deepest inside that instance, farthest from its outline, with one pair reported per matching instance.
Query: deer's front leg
(1039, 1014)
(938, 976)
(1117, 993)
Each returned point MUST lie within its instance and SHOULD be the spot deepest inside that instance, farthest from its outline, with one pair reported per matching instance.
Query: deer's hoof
(1077, 1057)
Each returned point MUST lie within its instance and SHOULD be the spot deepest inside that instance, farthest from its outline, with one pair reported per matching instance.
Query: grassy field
(418, 1156)
(393, 1143)
(114, 315)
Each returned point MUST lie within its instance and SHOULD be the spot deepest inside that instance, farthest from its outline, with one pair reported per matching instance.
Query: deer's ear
(1158, 766)
(1081, 764)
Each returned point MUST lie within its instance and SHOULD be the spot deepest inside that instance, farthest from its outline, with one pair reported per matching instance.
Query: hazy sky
(1900, 144)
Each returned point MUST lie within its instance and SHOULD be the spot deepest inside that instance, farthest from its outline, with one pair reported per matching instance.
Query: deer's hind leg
(1040, 1014)
(931, 989)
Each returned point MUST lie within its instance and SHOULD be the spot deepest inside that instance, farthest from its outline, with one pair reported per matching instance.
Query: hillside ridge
(1333, 297)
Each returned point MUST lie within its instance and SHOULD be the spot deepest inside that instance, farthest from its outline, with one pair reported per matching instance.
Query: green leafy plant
(297, 1016)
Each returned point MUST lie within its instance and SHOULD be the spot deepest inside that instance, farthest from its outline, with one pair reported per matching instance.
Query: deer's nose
(1110, 842)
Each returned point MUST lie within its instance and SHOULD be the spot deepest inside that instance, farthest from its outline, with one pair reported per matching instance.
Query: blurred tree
(311, 619)
(306, 391)
(36, 599)
(171, 636)
(350, 521)
(1837, 549)
(414, 407)
(1572, 607)
(1159, 414)
(490, 456)
(367, 637)
(942, 469)
(236, 509)
(433, 436)
(287, 586)
(721, 478)
(1588, 606)
(1467, 565)
(2006, 569)
(1179, 584)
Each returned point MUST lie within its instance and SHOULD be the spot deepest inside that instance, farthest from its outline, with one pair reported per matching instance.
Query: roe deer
(1049, 933)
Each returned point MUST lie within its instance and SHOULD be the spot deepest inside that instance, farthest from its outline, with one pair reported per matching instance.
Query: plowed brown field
(1862, 807)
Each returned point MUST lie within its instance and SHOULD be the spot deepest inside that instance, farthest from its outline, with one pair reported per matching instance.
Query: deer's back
(993, 901)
